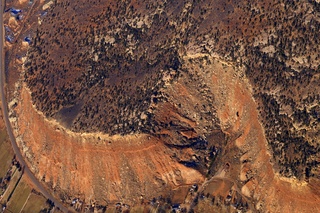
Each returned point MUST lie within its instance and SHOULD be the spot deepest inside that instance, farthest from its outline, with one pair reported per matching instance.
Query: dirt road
(16, 149)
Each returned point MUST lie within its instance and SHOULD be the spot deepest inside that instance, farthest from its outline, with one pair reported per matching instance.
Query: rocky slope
(122, 54)
(174, 82)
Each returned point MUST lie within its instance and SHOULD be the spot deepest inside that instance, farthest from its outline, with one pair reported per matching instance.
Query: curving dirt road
(16, 149)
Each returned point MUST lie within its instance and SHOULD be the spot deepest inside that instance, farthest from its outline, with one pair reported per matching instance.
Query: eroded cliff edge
(176, 77)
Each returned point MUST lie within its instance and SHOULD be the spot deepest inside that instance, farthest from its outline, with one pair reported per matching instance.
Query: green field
(35, 203)
(14, 179)
(22, 192)
(6, 153)
(19, 197)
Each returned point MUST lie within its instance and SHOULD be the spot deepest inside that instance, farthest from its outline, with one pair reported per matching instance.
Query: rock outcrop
(130, 100)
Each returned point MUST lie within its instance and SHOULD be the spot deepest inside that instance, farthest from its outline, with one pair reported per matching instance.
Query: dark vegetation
(97, 74)
(285, 87)
(108, 61)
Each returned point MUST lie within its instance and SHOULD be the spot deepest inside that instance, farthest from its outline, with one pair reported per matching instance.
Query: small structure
(176, 207)
(9, 38)
(43, 13)
(27, 39)
(7, 29)
(195, 187)
(19, 17)
(15, 11)
(74, 201)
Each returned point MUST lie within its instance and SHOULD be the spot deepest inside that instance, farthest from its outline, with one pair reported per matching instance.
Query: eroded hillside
(125, 101)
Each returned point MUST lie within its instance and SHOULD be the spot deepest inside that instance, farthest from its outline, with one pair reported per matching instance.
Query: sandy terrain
(238, 114)
(112, 168)
(213, 95)
(124, 168)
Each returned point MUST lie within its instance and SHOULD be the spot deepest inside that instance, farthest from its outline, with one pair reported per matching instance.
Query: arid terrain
(17, 193)
(173, 106)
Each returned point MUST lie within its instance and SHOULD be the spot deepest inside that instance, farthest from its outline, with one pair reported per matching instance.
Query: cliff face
(98, 167)
(140, 98)
(180, 152)
(122, 55)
